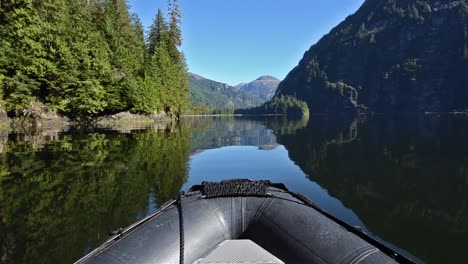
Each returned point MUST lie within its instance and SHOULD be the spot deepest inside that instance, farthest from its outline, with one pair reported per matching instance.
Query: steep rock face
(390, 56)
(218, 95)
(264, 87)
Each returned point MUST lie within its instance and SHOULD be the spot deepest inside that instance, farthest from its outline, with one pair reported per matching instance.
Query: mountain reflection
(62, 192)
(405, 177)
(212, 133)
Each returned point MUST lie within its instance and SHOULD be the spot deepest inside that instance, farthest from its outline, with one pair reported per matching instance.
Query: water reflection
(60, 198)
(212, 133)
(405, 177)
(217, 132)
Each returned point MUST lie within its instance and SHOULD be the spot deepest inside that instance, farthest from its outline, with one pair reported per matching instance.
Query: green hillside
(390, 56)
(212, 94)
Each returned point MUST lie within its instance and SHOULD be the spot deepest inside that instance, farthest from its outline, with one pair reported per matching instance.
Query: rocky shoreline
(44, 119)
(47, 120)
(48, 125)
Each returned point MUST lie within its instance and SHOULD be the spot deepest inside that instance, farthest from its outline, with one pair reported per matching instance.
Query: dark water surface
(403, 179)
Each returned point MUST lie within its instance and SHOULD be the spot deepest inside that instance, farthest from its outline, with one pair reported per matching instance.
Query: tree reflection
(405, 177)
(62, 199)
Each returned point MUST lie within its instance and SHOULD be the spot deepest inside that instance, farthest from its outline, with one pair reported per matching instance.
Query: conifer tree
(83, 89)
(24, 61)
(95, 9)
(157, 33)
(165, 70)
(123, 39)
(147, 97)
(180, 82)
(175, 33)
(139, 48)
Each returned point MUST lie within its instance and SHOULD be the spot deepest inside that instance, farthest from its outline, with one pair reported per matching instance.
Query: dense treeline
(282, 105)
(86, 58)
(203, 110)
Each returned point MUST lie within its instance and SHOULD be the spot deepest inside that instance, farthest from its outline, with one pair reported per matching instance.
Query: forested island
(85, 59)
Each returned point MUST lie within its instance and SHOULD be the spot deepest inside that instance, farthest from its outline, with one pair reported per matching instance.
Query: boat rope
(237, 187)
(181, 228)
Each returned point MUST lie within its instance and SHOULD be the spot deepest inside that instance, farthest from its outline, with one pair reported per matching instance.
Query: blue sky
(236, 41)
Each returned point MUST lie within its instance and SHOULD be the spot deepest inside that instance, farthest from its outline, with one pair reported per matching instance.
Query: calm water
(403, 179)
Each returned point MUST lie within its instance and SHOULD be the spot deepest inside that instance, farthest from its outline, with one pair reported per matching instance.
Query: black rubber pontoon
(204, 221)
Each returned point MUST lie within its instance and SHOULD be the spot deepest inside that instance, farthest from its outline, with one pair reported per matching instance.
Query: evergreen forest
(390, 56)
(279, 105)
(87, 58)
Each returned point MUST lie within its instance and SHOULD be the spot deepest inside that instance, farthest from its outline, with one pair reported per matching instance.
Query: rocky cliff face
(263, 88)
(390, 56)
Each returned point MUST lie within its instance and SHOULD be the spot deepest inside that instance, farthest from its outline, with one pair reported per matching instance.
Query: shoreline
(52, 121)
(235, 115)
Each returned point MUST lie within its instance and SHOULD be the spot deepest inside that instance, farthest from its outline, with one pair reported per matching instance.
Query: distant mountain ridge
(218, 95)
(264, 87)
(389, 56)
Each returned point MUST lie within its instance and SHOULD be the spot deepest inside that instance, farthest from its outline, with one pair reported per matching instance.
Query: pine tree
(175, 17)
(164, 70)
(124, 40)
(183, 92)
(180, 82)
(28, 47)
(139, 47)
(147, 96)
(165, 65)
(84, 88)
(123, 36)
(157, 32)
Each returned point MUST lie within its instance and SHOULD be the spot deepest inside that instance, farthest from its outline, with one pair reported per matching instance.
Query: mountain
(389, 56)
(264, 87)
(219, 95)
(205, 92)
